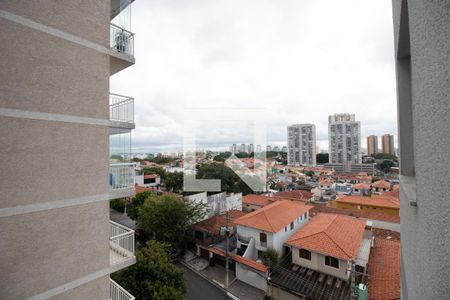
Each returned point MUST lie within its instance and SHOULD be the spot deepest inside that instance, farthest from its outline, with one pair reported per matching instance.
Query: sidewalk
(216, 275)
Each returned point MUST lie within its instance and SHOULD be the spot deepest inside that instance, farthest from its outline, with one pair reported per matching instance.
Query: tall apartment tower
(344, 139)
(372, 144)
(387, 144)
(56, 120)
(301, 140)
(421, 30)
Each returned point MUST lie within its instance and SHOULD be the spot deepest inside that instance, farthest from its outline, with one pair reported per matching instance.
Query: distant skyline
(301, 61)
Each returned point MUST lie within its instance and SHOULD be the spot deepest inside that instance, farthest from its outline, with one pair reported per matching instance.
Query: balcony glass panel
(119, 146)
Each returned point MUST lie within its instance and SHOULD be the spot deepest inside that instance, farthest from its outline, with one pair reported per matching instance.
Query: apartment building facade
(421, 31)
(58, 121)
(301, 147)
(372, 144)
(387, 144)
(344, 139)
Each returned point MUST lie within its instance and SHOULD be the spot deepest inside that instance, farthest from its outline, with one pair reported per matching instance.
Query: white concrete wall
(274, 240)
(282, 236)
(317, 263)
(251, 276)
(234, 201)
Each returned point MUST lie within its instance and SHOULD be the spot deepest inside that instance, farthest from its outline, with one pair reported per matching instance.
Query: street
(199, 288)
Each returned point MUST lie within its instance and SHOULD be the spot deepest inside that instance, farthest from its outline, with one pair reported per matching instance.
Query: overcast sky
(299, 60)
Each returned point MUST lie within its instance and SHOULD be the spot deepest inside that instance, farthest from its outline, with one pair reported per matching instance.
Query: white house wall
(317, 263)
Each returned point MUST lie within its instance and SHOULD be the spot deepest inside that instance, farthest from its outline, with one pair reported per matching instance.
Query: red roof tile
(296, 194)
(335, 235)
(213, 224)
(275, 216)
(384, 270)
(374, 200)
(356, 213)
(383, 184)
(259, 200)
(362, 186)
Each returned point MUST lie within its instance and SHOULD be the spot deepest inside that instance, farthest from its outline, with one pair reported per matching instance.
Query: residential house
(323, 252)
(296, 195)
(267, 227)
(381, 186)
(252, 202)
(271, 225)
(380, 203)
(362, 189)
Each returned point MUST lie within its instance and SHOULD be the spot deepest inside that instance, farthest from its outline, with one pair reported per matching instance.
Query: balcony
(121, 111)
(116, 292)
(121, 42)
(121, 180)
(121, 246)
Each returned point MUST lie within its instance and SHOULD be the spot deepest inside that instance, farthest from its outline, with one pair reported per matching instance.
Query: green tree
(153, 276)
(230, 181)
(322, 158)
(386, 165)
(309, 173)
(269, 257)
(169, 218)
(160, 159)
(174, 181)
(136, 202)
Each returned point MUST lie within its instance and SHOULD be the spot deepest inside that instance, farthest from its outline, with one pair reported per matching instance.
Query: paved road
(199, 288)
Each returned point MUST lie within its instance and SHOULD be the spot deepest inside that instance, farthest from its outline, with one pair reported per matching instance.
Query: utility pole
(352, 281)
(227, 234)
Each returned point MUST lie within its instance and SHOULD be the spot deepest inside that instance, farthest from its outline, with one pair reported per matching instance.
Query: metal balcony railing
(121, 176)
(116, 292)
(121, 40)
(121, 243)
(121, 108)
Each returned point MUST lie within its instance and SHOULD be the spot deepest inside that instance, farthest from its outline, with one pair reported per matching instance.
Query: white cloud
(300, 60)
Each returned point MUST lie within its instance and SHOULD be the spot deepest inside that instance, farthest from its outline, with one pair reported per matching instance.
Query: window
(292, 225)
(285, 228)
(305, 254)
(306, 214)
(263, 239)
(332, 262)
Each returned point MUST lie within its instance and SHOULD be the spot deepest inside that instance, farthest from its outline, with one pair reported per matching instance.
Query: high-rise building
(258, 148)
(233, 148)
(344, 139)
(250, 148)
(372, 144)
(269, 148)
(387, 144)
(301, 139)
(421, 30)
(58, 134)
(242, 148)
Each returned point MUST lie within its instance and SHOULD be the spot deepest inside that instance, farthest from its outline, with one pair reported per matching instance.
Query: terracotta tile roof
(335, 235)
(240, 259)
(383, 184)
(374, 200)
(150, 176)
(275, 216)
(384, 270)
(259, 200)
(355, 213)
(213, 224)
(394, 193)
(296, 195)
(362, 186)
